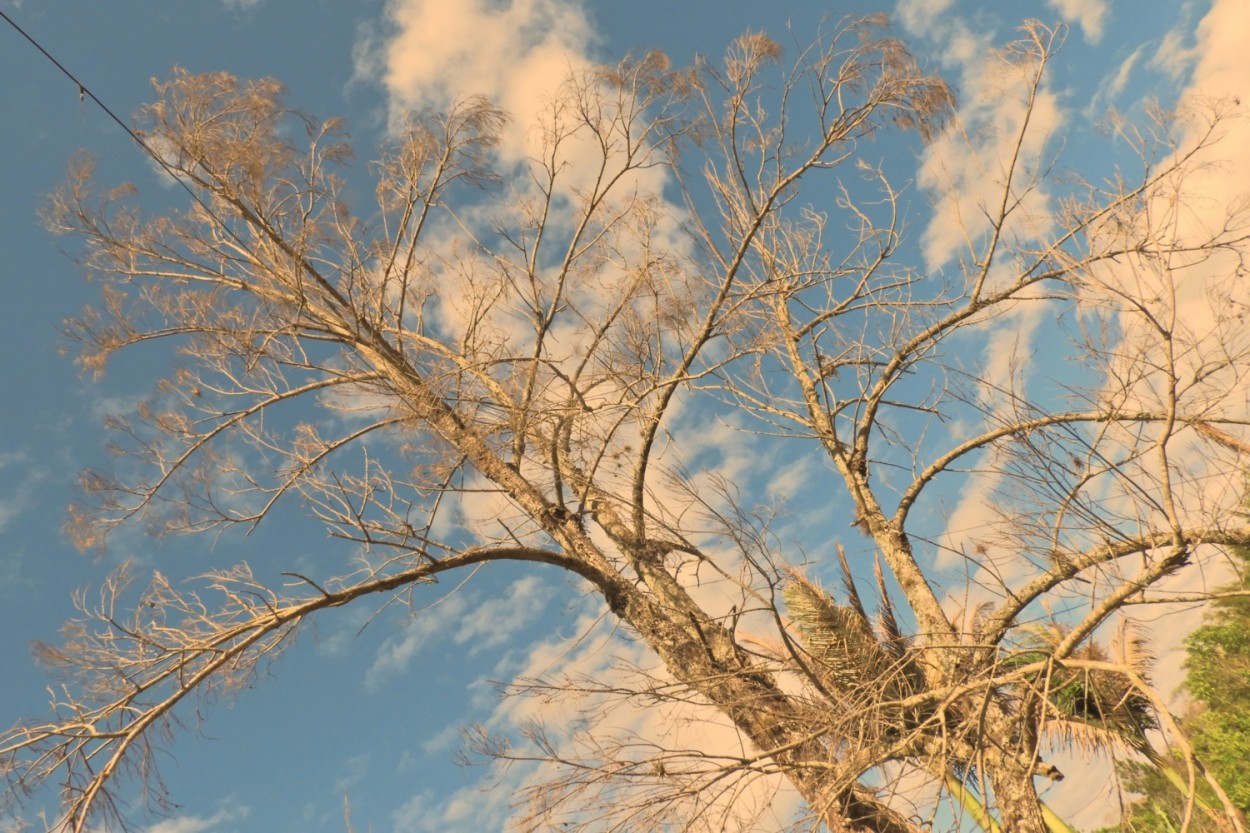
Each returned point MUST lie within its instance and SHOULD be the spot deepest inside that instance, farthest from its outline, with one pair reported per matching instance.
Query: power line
(85, 92)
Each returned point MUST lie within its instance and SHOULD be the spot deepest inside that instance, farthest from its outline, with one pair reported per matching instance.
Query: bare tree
(534, 334)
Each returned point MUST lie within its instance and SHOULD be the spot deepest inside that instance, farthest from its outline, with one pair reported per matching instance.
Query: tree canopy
(518, 358)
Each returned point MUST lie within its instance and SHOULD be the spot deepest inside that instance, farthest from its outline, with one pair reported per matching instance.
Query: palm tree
(871, 673)
(1093, 709)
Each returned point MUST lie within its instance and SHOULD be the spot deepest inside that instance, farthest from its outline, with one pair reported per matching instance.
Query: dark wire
(85, 92)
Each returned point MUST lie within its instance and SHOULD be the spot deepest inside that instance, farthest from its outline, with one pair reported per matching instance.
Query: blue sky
(370, 708)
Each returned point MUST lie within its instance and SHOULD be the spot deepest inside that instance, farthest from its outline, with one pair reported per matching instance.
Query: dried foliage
(530, 334)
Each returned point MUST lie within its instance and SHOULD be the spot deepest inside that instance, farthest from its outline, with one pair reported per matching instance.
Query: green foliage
(1162, 805)
(1218, 678)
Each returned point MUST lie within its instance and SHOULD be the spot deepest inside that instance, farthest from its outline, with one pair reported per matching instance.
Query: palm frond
(838, 637)
(848, 582)
(852, 658)
(891, 635)
(1131, 647)
(1090, 708)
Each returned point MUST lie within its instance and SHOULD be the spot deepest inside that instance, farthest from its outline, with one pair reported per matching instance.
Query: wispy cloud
(1119, 81)
(354, 770)
(599, 661)
(18, 499)
(462, 619)
(21, 477)
(1176, 53)
(199, 824)
(398, 652)
(921, 15)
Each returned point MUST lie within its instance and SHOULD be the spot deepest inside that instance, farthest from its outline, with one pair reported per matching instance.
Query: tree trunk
(701, 653)
(1019, 808)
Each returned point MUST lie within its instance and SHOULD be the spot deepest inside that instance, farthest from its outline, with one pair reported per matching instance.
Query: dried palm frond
(892, 637)
(1094, 708)
(882, 667)
(839, 638)
(848, 582)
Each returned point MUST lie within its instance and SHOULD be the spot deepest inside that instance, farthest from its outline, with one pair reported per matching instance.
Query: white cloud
(790, 480)
(1090, 15)
(115, 406)
(518, 54)
(10, 508)
(354, 771)
(414, 815)
(515, 53)
(334, 639)
(968, 168)
(10, 458)
(1203, 296)
(198, 824)
(445, 739)
(1199, 295)
(1223, 67)
(921, 15)
(1211, 62)
(532, 59)
(955, 43)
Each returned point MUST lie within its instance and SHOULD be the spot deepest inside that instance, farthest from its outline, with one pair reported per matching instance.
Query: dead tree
(534, 337)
